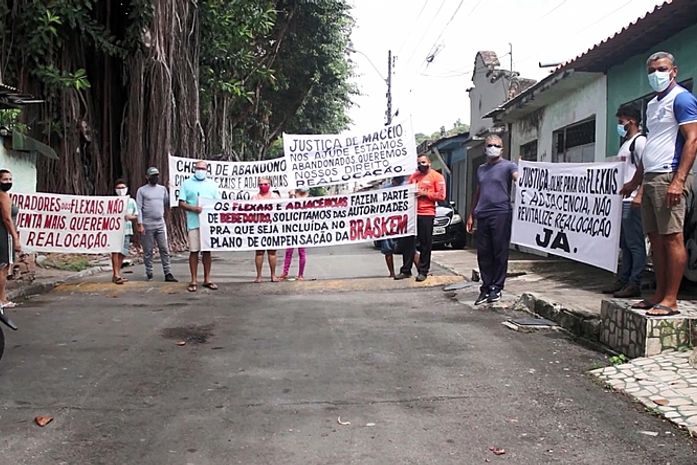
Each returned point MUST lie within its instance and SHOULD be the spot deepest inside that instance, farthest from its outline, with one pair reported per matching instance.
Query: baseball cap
(152, 170)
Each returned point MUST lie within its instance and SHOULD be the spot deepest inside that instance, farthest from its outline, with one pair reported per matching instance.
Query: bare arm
(188, 207)
(6, 212)
(687, 159)
(470, 217)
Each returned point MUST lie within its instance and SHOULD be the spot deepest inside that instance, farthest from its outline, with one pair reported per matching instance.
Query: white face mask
(659, 80)
(493, 152)
(122, 191)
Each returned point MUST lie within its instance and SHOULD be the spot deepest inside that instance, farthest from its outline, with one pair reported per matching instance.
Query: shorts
(125, 248)
(194, 237)
(656, 215)
(388, 246)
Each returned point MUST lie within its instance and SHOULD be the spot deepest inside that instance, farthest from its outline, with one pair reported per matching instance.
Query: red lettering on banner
(377, 228)
(245, 218)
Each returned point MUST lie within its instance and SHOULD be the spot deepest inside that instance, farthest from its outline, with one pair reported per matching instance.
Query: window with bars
(528, 152)
(575, 143)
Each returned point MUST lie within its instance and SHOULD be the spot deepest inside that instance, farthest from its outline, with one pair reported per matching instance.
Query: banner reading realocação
(324, 160)
(237, 180)
(228, 225)
(70, 223)
(573, 210)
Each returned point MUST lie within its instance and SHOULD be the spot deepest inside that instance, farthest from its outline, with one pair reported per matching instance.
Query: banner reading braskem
(70, 223)
(228, 225)
(573, 210)
(237, 180)
(325, 160)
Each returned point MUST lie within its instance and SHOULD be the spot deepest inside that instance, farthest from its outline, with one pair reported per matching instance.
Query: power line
(431, 53)
(553, 9)
(426, 30)
(413, 23)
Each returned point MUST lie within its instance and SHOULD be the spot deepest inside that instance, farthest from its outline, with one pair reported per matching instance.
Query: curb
(41, 287)
(577, 322)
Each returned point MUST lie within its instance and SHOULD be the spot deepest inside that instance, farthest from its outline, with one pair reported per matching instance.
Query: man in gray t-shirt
(491, 207)
(153, 202)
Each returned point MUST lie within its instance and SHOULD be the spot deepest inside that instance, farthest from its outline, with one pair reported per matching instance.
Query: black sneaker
(169, 277)
(402, 276)
(148, 276)
(483, 297)
(614, 287)
(421, 277)
(494, 296)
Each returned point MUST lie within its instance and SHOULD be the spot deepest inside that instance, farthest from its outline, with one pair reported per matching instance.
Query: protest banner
(324, 160)
(237, 180)
(573, 210)
(70, 223)
(228, 225)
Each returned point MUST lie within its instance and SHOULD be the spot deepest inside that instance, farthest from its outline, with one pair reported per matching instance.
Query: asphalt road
(267, 370)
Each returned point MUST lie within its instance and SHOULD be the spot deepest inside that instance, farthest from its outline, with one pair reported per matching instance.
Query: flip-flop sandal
(663, 308)
(643, 305)
(192, 287)
(9, 304)
(211, 286)
(117, 280)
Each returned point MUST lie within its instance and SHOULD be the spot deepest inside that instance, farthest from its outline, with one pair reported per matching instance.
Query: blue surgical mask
(659, 80)
(621, 130)
(200, 174)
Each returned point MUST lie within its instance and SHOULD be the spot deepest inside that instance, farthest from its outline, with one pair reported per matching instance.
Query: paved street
(268, 369)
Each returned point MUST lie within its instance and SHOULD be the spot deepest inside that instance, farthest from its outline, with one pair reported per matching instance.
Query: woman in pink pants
(300, 193)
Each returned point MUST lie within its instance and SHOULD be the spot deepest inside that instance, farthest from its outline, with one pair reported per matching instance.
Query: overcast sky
(435, 94)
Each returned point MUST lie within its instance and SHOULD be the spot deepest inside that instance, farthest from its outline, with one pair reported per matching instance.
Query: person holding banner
(430, 189)
(302, 254)
(665, 175)
(153, 202)
(266, 194)
(131, 215)
(9, 237)
(196, 187)
(491, 206)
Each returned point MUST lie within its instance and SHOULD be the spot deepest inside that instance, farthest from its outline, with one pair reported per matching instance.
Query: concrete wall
(485, 96)
(23, 167)
(627, 81)
(578, 105)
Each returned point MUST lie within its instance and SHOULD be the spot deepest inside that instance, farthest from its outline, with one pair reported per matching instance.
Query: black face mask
(153, 180)
(5, 186)
(424, 168)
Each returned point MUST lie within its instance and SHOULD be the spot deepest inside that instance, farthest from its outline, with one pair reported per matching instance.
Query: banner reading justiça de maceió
(70, 223)
(228, 225)
(325, 160)
(573, 210)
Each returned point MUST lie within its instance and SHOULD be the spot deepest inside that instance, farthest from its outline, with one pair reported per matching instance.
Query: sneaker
(421, 277)
(169, 277)
(628, 291)
(402, 276)
(148, 276)
(483, 297)
(616, 286)
(494, 296)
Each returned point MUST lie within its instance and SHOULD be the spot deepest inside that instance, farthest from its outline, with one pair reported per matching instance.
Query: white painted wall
(485, 96)
(573, 107)
(23, 169)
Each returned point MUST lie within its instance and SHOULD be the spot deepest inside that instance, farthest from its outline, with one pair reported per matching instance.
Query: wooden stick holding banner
(309, 222)
(70, 223)
(573, 210)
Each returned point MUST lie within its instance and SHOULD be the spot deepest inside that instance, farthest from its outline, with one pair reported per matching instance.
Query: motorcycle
(10, 324)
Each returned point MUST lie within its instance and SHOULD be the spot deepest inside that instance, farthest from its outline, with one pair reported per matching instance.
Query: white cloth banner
(70, 223)
(308, 222)
(237, 180)
(573, 210)
(325, 160)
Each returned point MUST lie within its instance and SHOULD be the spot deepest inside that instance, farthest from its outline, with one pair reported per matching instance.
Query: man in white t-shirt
(664, 170)
(632, 242)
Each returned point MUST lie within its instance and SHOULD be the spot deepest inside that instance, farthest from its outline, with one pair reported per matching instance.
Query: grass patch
(66, 262)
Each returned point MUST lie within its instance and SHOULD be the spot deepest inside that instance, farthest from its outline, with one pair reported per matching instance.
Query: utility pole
(388, 113)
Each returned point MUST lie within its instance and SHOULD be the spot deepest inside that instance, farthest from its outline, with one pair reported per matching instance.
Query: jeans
(493, 238)
(424, 235)
(632, 244)
(156, 234)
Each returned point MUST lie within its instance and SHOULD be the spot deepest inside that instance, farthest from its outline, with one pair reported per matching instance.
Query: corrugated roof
(663, 22)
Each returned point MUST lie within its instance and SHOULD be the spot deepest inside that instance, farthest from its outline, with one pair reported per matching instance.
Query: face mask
(621, 130)
(200, 174)
(659, 80)
(493, 152)
(424, 168)
(264, 188)
(5, 186)
(122, 191)
(153, 179)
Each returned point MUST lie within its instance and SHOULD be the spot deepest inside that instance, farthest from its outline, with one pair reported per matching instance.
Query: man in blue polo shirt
(196, 187)
(670, 151)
